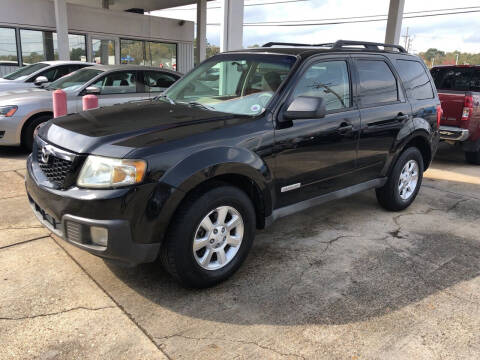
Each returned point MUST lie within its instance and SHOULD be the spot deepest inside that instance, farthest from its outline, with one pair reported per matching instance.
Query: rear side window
(456, 78)
(122, 82)
(156, 81)
(377, 83)
(415, 79)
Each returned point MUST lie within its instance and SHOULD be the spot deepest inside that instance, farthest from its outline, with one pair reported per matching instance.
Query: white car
(40, 73)
(23, 110)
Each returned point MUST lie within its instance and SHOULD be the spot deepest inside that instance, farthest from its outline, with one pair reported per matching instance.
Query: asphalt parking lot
(346, 280)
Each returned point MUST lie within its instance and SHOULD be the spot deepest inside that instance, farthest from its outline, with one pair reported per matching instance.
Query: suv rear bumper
(453, 133)
(65, 216)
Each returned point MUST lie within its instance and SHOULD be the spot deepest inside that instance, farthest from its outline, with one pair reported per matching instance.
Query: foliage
(439, 57)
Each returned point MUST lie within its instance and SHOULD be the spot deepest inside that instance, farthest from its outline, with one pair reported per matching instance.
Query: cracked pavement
(346, 280)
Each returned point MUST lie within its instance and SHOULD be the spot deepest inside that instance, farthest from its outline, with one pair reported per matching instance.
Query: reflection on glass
(37, 45)
(103, 51)
(77, 47)
(161, 55)
(8, 46)
(132, 52)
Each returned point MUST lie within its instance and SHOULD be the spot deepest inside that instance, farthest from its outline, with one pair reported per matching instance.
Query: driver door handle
(344, 128)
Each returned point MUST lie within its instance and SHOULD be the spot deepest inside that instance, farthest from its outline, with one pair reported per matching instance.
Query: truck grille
(56, 169)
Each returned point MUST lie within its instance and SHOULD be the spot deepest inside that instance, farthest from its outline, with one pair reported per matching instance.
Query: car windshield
(233, 83)
(25, 71)
(75, 80)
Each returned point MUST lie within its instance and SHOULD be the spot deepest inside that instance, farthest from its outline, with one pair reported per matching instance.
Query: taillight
(439, 115)
(467, 107)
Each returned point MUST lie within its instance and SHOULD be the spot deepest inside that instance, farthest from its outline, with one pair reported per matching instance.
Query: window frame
(307, 65)
(401, 94)
(17, 41)
(144, 48)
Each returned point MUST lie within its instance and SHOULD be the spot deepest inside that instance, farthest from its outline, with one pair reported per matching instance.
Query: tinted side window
(328, 80)
(415, 79)
(456, 78)
(377, 82)
(122, 82)
(156, 81)
(54, 73)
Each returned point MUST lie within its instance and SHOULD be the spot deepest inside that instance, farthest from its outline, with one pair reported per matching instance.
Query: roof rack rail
(273, 43)
(368, 45)
(343, 44)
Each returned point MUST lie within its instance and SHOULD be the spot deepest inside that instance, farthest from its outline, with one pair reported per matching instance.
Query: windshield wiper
(200, 105)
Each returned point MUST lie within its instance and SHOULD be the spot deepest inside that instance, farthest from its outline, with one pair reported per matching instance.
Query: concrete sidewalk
(347, 280)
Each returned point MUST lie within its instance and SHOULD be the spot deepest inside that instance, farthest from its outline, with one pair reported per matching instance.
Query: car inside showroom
(239, 179)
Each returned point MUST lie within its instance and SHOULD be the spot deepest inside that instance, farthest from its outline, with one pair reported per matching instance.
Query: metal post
(231, 35)
(394, 22)
(201, 48)
(62, 29)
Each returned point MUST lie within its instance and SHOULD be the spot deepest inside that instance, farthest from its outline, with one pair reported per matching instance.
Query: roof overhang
(147, 5)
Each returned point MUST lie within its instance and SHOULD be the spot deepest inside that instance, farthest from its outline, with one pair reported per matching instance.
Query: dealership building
(118, 31)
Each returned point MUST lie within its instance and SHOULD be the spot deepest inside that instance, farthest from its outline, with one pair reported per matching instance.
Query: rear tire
(187, 230)
(404, 181)
(473, 157)
(29, 129)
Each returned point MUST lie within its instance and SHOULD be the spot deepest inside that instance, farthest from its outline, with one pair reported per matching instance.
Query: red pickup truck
(459, 92)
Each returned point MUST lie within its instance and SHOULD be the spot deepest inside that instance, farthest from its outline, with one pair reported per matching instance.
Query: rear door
(383, 112)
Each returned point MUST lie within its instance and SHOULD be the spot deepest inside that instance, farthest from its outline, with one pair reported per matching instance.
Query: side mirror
(306, 107)
(92, 90)
(40, 80)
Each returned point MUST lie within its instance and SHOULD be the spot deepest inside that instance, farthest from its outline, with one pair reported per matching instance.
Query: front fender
(208, 164)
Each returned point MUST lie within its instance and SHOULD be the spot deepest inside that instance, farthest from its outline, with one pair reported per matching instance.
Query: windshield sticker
(255, 108)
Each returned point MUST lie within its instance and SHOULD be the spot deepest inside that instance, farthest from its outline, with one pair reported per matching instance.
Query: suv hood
(117, 130)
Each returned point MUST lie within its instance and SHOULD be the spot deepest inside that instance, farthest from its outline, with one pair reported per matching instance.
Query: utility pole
(456, 60)
(405, 43)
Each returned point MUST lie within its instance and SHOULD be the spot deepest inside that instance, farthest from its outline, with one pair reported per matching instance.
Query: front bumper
(70, 214)
(453, 133)
(10, 131)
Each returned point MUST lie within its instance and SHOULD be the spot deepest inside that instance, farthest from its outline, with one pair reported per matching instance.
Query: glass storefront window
(8, 46)
(77, 46)
(161, 55)
(37, 45)
(132, 52)
(103, 51)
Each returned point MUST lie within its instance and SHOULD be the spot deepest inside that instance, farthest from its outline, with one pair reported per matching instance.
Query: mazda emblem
(45, 155)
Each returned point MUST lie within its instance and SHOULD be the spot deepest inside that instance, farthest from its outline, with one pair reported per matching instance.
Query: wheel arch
(30, 118)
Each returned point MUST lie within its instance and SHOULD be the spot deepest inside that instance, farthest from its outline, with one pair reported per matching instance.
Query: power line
(267, 24)
(364, 16)
(256, 4)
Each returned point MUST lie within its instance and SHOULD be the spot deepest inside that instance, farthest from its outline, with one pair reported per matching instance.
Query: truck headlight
(8, 110)
(101, 172)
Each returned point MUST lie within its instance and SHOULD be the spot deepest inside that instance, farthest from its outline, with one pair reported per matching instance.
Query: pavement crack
(56, 313)
(12, 197)
(454, 206)
(120, 306)
(243, 342)
(22, 227)
(24, 242)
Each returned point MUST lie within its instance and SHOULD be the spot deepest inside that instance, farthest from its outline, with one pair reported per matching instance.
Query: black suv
(245, 138)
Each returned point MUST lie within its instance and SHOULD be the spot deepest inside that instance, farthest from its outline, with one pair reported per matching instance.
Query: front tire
(404, 181)
(29, 130)
(473, 157)
(209, 237)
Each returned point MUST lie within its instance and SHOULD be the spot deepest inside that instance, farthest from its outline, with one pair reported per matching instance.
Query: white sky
(448, 33)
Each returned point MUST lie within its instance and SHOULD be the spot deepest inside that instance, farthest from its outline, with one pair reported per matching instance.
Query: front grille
(55, 169)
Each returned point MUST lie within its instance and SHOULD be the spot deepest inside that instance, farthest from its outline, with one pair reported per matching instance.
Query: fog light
(99, 236)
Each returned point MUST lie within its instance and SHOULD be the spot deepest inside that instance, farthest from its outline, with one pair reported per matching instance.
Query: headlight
(102, 172)
(7, 111)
